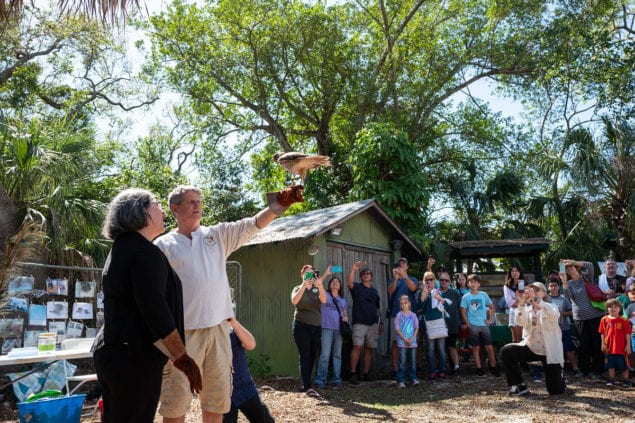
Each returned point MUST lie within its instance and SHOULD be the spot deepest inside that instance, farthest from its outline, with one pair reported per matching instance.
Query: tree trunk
(11, 217)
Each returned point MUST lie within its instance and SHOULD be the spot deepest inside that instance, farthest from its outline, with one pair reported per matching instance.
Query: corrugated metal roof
(309, 224)
(501, 242)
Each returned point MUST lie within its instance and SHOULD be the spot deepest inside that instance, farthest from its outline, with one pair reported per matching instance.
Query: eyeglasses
(366, 273)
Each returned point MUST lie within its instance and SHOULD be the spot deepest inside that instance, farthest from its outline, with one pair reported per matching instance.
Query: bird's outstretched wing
(300, 163)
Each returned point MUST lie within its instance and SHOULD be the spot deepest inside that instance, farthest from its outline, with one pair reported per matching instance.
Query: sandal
(312, 393)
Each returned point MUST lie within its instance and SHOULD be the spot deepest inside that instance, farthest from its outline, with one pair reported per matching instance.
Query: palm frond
(106, 10)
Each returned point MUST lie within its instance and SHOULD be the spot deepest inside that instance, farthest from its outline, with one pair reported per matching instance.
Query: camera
(316, 273)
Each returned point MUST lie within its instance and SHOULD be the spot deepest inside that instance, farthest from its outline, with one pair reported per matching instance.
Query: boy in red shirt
(616, 341)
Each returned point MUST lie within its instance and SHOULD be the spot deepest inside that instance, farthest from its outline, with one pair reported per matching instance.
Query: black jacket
(143, 297)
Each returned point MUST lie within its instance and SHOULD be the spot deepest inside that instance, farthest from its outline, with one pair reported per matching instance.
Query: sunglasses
(429, 279)
(444, 280)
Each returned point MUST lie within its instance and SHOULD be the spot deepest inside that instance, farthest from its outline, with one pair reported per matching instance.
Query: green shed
(270, 267)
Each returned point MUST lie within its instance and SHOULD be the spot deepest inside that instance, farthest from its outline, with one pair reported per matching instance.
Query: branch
(626, 27)
(24, 57)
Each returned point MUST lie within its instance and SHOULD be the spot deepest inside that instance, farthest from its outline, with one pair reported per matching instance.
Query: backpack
(594, 292)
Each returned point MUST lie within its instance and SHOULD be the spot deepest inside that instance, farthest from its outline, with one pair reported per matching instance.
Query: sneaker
(354, 379)
(594, 376)
(627, 384)
(518, 390)
(537, 379)
(401, 385)
(441, 375)
(480, 372)
(579, 374)
(415, 382)
(494, 371)
(432, 376)
(610, 382)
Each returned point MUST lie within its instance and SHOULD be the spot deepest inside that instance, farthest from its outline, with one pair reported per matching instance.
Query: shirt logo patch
(209, 240)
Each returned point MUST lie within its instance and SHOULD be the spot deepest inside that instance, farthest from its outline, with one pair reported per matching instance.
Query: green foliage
(45, 166)
(374, 85)
(385, 165)
(55, 75)
(225, 198)
(259, 366)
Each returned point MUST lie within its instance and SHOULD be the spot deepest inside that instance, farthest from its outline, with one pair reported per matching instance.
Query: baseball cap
(539, 285)
(405, 260)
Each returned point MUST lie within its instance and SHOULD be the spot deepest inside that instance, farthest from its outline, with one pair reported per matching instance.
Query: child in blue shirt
(407, 328)
(245, 396)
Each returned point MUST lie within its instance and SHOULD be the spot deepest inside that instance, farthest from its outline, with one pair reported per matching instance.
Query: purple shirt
(407, 323)
(330, 316)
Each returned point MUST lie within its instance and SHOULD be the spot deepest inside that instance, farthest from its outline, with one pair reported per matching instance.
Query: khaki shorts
(212, 347)
(365, 335)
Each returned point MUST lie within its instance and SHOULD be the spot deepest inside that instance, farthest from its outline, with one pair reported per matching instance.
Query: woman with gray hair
(143, 312)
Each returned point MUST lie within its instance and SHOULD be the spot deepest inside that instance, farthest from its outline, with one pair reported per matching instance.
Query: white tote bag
(436, 328)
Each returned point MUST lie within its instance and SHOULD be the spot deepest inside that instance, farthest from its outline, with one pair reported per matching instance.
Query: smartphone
(521, 285)
(563, 268)
(336, 269)
(308, 275)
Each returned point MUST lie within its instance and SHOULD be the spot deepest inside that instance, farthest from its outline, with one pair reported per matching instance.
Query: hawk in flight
(300, 163)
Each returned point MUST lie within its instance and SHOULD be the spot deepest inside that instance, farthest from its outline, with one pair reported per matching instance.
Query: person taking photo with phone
(400, 284)
(308, 298)
(543, 341)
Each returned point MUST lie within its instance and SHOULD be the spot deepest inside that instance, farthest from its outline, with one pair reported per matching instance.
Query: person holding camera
(308, 298)
(542, 341)
(400, 284)
(586, 318)
(513, 287)
(334, 309)
(367, 326)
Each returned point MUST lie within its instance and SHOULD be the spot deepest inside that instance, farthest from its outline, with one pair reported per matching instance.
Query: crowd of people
(550, 325)
(170, 331)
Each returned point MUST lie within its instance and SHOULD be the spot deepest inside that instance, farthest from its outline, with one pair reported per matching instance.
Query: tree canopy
(387, 89)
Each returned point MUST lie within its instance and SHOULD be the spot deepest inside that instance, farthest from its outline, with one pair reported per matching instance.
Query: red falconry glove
(280, 201)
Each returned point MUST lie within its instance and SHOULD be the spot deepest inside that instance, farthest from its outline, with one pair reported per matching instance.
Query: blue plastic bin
(52, 410)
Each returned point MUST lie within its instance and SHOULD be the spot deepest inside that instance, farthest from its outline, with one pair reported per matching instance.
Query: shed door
(379, 263)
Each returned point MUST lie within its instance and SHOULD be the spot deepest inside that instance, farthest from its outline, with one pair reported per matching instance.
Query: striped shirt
(580, 302)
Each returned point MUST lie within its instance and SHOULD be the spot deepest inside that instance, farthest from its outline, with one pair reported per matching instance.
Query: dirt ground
(464, 397)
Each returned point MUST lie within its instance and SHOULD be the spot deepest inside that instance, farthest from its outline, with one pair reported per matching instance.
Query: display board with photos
(54, 304)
